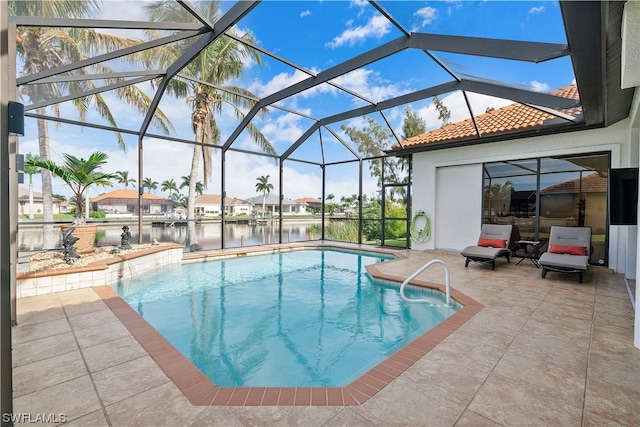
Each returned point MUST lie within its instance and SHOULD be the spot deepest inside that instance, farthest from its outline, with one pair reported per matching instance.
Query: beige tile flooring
(541, 352)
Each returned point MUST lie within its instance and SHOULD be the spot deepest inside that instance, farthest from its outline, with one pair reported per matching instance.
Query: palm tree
(170, 186)
(179, 200)
(149, 184)
(123, 178)
(79, 174)
(222, 61)
(31, 170)
(329, 203)
(264, 186)
(185, 183)
(42, 48)
(498, 192)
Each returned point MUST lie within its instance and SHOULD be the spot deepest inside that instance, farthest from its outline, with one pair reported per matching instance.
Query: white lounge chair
(494, 242)
(568, 252)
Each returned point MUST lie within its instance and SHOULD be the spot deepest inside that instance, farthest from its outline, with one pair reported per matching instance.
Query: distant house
(126, 202)
(23, 202)
(312, 204)
(211, 205)
(272, 205)
(562, 199)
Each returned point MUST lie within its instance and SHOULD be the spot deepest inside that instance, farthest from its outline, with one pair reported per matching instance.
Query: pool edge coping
(202, 391)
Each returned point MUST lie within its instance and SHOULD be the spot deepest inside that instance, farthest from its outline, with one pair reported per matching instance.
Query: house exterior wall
(23, 207)
(450, 183)
(216, 209)
(241, 209)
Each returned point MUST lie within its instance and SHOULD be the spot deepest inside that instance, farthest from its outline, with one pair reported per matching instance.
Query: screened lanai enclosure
(248, 123)
(220, 124)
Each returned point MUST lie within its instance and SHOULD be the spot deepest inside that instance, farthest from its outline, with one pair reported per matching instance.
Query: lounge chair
(494, 242)
(569, 249)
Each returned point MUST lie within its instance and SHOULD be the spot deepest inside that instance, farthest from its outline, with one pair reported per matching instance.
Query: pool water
(294, 319)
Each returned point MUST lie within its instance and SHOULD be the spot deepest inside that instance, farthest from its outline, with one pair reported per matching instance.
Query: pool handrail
(420, 270)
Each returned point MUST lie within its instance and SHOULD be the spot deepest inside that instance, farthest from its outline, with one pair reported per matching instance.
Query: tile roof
(308, 201)
(216, 199)
(271, 199)
(592, 183)
(507, 119)
(23, 195)
(128, 194)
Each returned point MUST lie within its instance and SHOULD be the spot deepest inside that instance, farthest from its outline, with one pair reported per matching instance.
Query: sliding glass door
(535, 194)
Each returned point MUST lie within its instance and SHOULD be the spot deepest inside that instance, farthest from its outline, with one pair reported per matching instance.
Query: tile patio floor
(541, 352)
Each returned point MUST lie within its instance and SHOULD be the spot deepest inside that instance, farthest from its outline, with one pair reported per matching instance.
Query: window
(536, 194)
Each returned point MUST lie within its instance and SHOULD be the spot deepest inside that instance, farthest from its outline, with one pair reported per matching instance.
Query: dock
(172, 223)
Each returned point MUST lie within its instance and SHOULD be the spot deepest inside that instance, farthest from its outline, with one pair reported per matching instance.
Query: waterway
(208, 235)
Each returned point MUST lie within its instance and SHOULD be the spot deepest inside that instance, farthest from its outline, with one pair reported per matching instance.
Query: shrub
(342, 231)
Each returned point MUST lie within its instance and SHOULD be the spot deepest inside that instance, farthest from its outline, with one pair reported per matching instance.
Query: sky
(318, 35)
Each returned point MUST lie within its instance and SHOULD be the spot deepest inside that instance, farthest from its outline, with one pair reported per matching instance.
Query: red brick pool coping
(200, 390)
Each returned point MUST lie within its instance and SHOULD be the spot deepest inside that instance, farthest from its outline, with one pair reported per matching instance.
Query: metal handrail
(420, 270)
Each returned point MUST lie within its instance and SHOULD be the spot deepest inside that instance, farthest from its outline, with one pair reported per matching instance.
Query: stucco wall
(462, 168)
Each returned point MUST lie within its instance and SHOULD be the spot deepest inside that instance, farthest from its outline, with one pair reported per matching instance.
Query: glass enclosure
(536, 194)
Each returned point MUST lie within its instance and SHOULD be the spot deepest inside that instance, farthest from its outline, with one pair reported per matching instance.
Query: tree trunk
(191, 201)
(30, 198)
(47, 189)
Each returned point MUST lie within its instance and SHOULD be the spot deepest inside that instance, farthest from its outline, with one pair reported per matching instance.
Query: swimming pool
(299, 318)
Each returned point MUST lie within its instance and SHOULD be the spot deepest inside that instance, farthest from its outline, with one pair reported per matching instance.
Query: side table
(534, 254)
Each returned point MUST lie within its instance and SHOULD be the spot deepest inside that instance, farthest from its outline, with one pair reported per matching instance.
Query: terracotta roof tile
(592, 183)
(307, 200)
(125, 194)
(505, 119)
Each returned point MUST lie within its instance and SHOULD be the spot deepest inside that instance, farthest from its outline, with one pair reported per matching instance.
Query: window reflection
(536, 194)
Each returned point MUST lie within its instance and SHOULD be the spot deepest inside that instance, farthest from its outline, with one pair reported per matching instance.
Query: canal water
(207, 234)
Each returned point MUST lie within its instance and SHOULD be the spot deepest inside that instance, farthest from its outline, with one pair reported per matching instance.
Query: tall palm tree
(30, 169)
(222, 61)
(264, 186)
(123, 178)
(179, 200)
(42, 48)
(186, 183)
(497, 193)
(170, 186)
(149, 184)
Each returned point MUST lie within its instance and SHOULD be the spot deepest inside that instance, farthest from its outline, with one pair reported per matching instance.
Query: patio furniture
(531, 249)
(494, 242)
(569, 249)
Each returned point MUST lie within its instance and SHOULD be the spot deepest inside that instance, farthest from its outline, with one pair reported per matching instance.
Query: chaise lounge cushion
(569, 262)
(566, 241)
(482, 252)
(491, 234)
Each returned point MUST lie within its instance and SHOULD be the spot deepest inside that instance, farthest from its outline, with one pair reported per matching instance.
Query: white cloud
(376, 27)
(286, 128)
(277, 83)
(369, 84)
(359, 3)
(305, 13)
(427, 14)
(539, 87)
(536, 10)
(243, 170)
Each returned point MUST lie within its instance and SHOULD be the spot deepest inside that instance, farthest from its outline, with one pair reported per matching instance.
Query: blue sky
(318, 35)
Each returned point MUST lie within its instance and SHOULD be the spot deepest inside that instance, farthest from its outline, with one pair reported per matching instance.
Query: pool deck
(540, 352)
